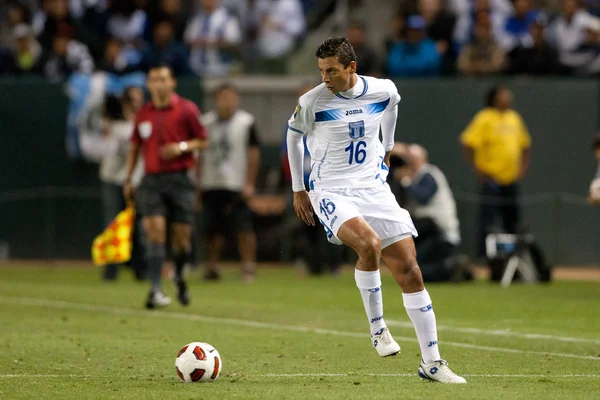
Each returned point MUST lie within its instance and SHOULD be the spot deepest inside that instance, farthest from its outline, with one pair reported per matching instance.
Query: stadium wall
(50, 206)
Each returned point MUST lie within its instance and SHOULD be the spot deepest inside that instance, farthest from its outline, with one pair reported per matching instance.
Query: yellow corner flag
(113, 246)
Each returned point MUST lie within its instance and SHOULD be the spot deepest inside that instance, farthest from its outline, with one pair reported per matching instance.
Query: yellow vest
(498, 139)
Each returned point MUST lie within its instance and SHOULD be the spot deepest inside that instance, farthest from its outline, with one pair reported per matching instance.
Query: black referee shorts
(169, 194)
(226, 212)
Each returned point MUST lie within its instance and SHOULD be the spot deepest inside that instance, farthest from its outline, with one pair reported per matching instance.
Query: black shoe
(212, 276)
(182, 292)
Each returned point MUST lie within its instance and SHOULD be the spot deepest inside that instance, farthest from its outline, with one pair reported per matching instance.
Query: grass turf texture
(66, 334)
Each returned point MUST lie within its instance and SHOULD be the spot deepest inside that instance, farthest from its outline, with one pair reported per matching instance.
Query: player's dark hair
(223, 87)
(492, 93)
(338, 47)
(161, 66)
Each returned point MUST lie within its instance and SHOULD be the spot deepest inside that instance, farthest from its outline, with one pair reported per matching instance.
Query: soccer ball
(595, 189)
(198, 362)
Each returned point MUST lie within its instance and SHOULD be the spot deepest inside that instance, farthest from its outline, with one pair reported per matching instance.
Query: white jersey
(343, 133)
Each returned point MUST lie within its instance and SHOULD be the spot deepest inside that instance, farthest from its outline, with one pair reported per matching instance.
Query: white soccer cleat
(157, 299)
(438, 371)
(384, 343)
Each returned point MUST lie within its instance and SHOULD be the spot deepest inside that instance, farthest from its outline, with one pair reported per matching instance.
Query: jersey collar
(365, 88)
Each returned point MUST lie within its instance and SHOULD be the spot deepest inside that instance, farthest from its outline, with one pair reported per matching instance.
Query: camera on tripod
(516, 257)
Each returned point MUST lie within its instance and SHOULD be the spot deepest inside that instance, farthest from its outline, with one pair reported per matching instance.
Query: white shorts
(377, 205)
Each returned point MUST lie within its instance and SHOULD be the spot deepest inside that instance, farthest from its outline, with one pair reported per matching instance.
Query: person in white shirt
(342, 118)
(282, 25)
(213, 35)
(118, 122)
(569, 34)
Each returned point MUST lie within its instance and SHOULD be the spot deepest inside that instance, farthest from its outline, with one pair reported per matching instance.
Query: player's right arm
(298, 126)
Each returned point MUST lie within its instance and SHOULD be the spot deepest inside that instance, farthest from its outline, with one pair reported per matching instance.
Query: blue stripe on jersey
(376, 108)
(295, 130)
(328, 115)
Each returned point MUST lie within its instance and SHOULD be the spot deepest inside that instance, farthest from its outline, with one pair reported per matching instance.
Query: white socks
(369, 284)
(419, 309)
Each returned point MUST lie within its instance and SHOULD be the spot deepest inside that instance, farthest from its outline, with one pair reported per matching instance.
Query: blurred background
(62, 61)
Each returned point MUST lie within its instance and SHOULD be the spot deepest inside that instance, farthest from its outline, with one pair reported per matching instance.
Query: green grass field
(67, 335)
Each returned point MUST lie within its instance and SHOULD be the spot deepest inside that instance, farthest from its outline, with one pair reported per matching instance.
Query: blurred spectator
(213, 35)
(165, 50)
(483, 56)
(280, 30)
(57, 19)
(517, 28)
(229, 170)
(25, 55)
(440, 28)
(367, 58)
(167, 10)
(469, 11)
(117, 59)
(540, 58)
(589, 51)
(498, 146)
(310, 249)
(417, 56)
(569, 33)
(17, 14)
(250, 14)
(127, 22)
(66, 56)
(396, 32)
(433, 209)
(95, 23)
(119, 117)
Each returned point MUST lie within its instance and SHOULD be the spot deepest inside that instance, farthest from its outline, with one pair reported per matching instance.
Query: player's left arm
(388, 122)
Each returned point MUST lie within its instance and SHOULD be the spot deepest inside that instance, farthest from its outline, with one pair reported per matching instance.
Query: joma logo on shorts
(352, 112)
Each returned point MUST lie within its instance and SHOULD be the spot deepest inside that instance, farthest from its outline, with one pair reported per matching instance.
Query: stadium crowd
(211, 38)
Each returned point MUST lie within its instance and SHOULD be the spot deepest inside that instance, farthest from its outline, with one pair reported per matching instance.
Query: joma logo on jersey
(353, 112)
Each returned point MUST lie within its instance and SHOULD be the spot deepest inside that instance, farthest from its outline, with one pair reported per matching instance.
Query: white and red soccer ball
(198, 362)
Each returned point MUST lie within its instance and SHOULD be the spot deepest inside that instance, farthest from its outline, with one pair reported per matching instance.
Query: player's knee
(370, 247)
(155, 234)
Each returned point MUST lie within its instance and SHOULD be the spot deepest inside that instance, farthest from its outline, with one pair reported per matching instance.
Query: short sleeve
(303, 118)
(473, 134)
(197, 130)
(524, 137)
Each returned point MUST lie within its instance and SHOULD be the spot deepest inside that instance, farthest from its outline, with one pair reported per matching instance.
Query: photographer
(430, 201)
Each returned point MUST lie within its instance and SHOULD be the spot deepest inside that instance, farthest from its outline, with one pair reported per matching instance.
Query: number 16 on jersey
(357, 152)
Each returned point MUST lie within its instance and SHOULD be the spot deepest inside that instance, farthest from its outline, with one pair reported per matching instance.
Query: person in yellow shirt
(497, 144)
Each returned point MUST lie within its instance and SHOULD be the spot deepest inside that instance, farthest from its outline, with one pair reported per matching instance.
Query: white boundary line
(26, 301)
(300, 375)
(326, 375)
(497, 332)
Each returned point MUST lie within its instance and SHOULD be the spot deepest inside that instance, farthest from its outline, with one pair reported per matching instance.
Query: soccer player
(167, 130)
(342, 118)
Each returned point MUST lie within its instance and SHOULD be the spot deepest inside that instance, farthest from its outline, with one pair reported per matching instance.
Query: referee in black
(167, 132)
